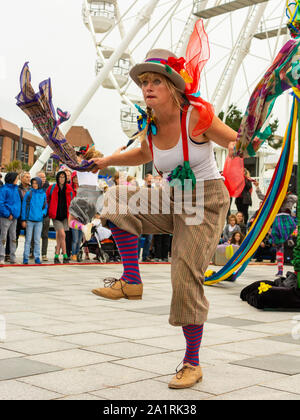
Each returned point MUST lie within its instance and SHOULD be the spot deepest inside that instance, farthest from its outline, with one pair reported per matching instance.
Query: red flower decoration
(176, 64)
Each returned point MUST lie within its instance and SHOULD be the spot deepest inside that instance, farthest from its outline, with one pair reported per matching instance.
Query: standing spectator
(34, 208)
(68, 172)
(10, 210)
(147, 237)
(59, 197)
(148, 180)
(46, 219)
(161, 247)
(244, 201)
(74, 182)
(240, 221)
(68, 233)
(117, 178)
(24, 186)
(161, 241)
(76, 233)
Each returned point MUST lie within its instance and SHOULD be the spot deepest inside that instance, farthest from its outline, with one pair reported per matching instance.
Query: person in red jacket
(59, 197)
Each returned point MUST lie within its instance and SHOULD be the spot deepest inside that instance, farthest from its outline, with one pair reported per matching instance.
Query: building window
(12, 150)
(1, 147)
(25, 153)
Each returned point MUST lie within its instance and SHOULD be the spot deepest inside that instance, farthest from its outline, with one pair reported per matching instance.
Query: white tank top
(87, 178)
(201, 157)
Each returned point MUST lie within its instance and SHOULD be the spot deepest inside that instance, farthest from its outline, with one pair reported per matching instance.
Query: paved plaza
(63, 342)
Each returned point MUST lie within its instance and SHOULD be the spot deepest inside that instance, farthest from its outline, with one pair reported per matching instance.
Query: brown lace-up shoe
(186, 377)
(117, 289)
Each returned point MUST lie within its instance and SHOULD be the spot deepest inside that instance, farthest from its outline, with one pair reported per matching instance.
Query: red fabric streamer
(233, 173)
(176, 63)
(197, 54)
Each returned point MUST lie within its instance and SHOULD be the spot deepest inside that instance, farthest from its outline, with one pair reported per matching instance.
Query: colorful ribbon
(143, 120)
(272, 202)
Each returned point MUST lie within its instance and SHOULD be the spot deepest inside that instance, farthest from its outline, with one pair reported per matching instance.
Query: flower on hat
(177, 64)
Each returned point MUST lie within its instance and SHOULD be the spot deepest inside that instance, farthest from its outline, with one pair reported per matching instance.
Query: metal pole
(143, 17)
(20, 145)
(237, 57)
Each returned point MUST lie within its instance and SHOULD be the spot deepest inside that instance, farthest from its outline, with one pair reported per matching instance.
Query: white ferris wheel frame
(223, 90)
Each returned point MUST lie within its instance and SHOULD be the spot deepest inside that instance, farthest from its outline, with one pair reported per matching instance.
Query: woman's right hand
(101, 163)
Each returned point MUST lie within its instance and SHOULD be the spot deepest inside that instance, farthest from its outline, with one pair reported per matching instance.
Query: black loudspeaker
(293, 181)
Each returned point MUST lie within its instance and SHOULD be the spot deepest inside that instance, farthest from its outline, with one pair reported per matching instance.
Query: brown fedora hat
(156, 61)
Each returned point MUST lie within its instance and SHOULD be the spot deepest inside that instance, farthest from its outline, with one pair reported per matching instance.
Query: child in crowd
(231, 228)
(237, 238)
(10, 210)
(34, 209)
(241, 222)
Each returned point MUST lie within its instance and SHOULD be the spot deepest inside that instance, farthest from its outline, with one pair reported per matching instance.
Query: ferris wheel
(244, 37)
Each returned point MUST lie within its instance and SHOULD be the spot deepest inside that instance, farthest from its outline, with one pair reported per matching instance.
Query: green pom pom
(179, 176)
(168, 69)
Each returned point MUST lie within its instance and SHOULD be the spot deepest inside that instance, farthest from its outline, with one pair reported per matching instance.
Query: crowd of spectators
(31, 206)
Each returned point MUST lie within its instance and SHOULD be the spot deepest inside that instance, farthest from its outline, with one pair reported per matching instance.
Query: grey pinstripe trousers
(145, 210)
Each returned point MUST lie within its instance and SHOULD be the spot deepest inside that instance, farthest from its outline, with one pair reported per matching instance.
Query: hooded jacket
(10, 201)
(34, 205)
(53, 192)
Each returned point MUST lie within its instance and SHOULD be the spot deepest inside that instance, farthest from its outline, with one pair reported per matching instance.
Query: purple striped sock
(193, 336)
(128, 248)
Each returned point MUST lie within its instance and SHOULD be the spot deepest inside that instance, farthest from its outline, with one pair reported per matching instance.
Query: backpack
(28, 199)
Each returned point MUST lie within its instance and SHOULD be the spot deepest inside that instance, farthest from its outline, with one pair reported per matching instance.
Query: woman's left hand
(231, 146)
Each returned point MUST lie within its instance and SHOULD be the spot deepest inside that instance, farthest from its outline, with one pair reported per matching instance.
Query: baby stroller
(105, 250)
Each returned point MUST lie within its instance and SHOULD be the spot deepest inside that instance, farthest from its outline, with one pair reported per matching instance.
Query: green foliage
(108, 171)
(234, 118)
(14, 166)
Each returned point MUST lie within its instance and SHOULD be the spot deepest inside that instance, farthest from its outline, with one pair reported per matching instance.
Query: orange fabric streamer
(197, 54)
(233, 173)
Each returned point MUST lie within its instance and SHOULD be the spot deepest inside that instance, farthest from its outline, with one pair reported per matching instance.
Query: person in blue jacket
(10, 210)
(34, 209)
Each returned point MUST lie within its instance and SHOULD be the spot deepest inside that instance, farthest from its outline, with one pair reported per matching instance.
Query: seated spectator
(230, 228)
(34, 209)
(241, 222)
(237, 238)
(266, 250)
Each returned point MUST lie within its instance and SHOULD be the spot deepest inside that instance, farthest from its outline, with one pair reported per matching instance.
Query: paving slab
(15, 390)
(156, 389)
(19, 367)
(100, 349)
(281, 363)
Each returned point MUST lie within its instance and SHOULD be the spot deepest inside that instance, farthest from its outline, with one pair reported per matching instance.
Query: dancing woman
(179, 131)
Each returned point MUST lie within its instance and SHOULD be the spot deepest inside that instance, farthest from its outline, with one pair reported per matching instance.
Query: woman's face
(237, 237)
(62, 178)
(35, 185)
(239, 217)
(155, 91)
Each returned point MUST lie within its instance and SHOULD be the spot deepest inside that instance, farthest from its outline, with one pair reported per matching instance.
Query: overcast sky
(52, 37)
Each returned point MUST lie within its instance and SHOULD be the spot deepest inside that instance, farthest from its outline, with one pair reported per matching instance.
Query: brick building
(10, 141)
